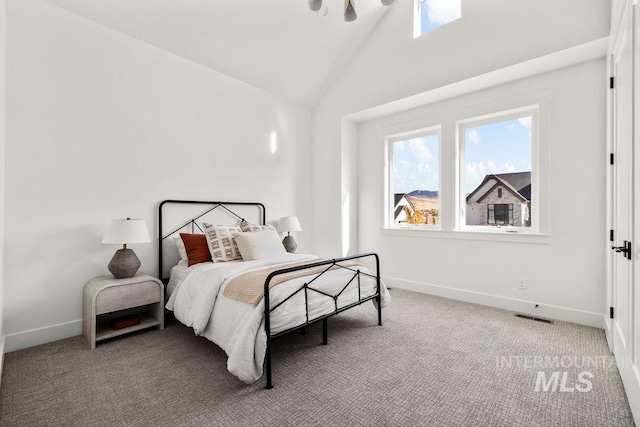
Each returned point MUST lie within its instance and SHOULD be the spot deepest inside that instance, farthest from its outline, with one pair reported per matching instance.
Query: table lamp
(125, 263)
(287, 224)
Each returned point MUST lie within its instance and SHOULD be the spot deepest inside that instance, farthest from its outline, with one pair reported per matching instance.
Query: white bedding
(238, 327)
(177, 275)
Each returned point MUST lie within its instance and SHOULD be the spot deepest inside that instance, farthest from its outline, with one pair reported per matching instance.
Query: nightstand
(106, 298)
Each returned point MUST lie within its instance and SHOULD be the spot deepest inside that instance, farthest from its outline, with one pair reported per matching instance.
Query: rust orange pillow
(196, 247)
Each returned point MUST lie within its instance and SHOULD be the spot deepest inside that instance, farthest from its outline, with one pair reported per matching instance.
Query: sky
(416, 164)
(500, 147)
(435, 13)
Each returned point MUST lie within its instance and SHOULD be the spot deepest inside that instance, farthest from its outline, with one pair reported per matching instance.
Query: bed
(242, 305)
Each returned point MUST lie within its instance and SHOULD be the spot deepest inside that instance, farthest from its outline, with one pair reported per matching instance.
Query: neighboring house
(501, 199)
(400, 201)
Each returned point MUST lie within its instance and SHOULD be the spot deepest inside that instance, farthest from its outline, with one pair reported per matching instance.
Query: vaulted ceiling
(278, 45)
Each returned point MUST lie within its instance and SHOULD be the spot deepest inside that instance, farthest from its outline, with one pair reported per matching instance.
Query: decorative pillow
(246, 226)
(260, 244)
(222, 244)
(196, 248)
(180, 245)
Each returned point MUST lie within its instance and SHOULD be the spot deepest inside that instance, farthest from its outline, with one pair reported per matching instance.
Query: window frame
(445, 111)
(389, 172)
(532, 110)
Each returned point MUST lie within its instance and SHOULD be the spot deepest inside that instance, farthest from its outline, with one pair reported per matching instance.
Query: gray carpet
(435, 362)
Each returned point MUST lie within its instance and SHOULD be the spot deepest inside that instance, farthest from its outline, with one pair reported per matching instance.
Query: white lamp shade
(289, 223)
(125, 231)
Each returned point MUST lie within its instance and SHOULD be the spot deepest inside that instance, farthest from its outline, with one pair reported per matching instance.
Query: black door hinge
(611, 84)
(611, 235)
(611, 159)
(610, 312)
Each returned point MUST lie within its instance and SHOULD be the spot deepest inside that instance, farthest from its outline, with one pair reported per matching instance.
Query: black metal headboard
(192, 211)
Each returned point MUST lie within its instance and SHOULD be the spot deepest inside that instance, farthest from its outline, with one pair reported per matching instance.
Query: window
(431, 14)
(415, 179)
(496, 169)
(471, 174)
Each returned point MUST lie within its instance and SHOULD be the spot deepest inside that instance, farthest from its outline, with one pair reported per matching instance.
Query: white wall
(392, 65)
(569, 263)
(491, 36)
(100, 126)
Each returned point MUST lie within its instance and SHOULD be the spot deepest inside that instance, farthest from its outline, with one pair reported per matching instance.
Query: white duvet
(238, 327)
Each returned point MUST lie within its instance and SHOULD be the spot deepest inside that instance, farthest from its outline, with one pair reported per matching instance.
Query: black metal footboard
(307, 287)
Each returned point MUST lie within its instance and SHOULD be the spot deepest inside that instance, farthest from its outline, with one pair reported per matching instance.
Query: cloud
(423, 168)
(525, 122)
(506, 168)
(476, 171)
(419, 178)
(398, 145)
(441, 12)
(419, 150)
(417, 169)
(474, 137)
(480, 169)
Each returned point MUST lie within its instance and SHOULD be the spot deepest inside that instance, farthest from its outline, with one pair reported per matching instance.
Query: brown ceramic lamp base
(124, 264)
(290, 244)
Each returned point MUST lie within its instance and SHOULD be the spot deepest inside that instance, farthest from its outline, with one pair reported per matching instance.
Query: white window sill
(483, 235)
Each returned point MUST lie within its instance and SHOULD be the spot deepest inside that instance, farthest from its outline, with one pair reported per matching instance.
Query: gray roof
(396, 200)
(518, 182)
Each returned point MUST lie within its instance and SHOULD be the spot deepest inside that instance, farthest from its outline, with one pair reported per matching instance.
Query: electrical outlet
(523, 283)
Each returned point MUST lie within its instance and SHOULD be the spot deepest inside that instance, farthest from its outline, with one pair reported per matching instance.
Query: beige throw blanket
(249, 287)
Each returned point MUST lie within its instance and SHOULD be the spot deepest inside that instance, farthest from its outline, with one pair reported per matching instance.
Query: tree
(413, 216)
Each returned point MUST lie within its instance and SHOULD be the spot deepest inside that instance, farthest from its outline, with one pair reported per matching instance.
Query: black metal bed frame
(192, 221)
(306, 287)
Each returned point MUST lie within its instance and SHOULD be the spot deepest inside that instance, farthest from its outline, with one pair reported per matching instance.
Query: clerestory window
(432, 14)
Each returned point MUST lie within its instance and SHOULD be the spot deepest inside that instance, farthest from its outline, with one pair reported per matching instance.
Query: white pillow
(181, 249)
(259, 244)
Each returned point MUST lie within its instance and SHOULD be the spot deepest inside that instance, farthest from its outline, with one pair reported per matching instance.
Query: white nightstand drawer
(123, 297)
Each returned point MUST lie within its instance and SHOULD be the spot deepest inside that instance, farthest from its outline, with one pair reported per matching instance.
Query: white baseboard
(48, 334)
(565, 314)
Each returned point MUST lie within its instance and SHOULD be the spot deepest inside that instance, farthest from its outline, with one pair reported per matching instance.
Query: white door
(622, 121)
(623, 330)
